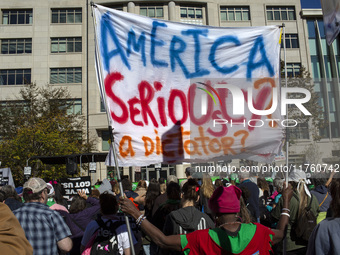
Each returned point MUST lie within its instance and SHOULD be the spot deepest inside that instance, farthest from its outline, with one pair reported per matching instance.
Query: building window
(299, 132)
(66, 15)
(105, 140)
(152, 11)
(73, 106)
(102, 106)
(66, 44)
(17, 16)
(16, 46)
(192, 15)
(292, 41)
(280, 13)
(15, 76)
(235, 13)
(293, 69)
(66, 75)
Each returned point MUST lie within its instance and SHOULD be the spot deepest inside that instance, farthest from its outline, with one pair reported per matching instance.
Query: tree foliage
(40, 123)
(316, 120)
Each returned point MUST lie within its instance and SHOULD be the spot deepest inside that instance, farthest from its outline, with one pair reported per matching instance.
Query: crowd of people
(239, 215)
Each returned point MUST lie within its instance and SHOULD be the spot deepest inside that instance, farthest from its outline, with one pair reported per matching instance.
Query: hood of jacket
(188, 218)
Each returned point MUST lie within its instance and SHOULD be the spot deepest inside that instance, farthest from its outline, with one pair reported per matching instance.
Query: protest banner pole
(284, 250)
(103, 97)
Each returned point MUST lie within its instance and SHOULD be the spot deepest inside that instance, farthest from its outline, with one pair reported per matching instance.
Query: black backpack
(106, 241)
(305, 223)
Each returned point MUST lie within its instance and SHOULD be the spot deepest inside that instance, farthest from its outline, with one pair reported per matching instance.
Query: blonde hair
(207, 186)
(303, 197)
(162, 188)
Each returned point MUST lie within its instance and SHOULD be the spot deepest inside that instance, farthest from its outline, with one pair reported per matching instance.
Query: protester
(230, 237)
(141, 188)
(44, 228)
(233, 178)
(80, 216)
(253, 199)
(188, 173)
(323, 196)
(172, 203)
(278, 185)
(162, 185)
(187, 219)
(59, 202)
(12, 199)
(109, 208)
(161, 199)
(206, 191)
(12, 237)
(300, 200)
(325, 238)
(218, 183)
(152, 193)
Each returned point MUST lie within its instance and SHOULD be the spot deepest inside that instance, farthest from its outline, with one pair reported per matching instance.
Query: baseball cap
(35, 184)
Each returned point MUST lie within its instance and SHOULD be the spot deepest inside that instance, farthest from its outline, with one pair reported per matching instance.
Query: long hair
(303, 196)
(151, 194)
(207, 186)
(190, 190)
(335, 193)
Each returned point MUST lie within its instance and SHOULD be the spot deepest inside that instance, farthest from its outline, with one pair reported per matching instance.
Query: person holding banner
(231, 236)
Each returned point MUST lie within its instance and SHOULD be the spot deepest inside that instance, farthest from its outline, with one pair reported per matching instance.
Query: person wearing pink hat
(230, 236)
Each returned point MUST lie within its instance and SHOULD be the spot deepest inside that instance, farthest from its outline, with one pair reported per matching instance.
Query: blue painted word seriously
(177, 46)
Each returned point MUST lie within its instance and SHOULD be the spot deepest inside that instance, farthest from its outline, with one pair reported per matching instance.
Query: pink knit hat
(225, 200)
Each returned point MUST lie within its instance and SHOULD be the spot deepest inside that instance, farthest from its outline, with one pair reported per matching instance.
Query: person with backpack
(325, 238)
(303, 209)
(108, 234)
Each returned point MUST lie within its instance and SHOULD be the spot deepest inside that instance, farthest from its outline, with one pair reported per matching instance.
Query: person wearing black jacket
(187, 219)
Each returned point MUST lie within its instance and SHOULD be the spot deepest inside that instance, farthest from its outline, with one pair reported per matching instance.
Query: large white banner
(179, 92)
(331, 19)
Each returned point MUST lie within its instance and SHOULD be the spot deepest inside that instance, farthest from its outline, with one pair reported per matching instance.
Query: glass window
(15, 76)
(235, 13)
(292, 41)
(152, 11)
(293, 69)
(70, 15)
(17, 16)
(280, 13)
(192, 15)
(66, 45)
(105, 140)
(65, 75)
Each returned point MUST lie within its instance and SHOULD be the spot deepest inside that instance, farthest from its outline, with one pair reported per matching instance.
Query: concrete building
(52, 42)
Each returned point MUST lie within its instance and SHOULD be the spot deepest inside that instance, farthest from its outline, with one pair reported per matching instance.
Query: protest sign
(153, 74)
(73, 185)
(6, 177)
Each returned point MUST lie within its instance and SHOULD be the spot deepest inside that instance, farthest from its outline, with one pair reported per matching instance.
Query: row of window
(74, 15)
(74, 44)
(25, 16)
(74, 106)
(74, 75)
(58, 45)
(230, 13)
(57, 76)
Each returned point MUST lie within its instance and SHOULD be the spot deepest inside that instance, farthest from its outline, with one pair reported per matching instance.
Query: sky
(311, 4)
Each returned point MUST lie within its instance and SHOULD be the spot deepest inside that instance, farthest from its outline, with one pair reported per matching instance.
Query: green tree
(41, 122)
(316, 120)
